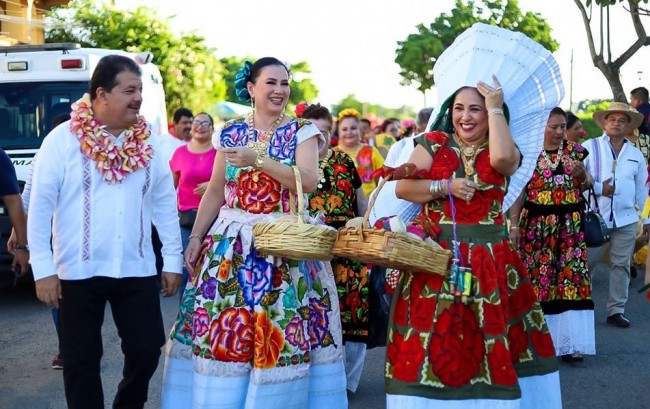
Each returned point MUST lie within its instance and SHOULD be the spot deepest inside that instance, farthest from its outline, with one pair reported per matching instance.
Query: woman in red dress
(477, 336)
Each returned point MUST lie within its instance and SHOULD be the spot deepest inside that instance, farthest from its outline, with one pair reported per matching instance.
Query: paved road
(617, 378)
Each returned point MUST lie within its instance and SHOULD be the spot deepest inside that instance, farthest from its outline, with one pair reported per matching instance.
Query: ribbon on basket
(405, 171)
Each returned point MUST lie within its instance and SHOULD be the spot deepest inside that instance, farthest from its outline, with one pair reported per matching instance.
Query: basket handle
(301, 205)
(366, 215)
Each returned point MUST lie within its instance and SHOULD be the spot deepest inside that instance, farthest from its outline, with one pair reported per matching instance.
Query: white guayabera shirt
(97, 228)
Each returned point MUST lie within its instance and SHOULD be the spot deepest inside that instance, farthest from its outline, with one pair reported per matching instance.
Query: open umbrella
(228, 110)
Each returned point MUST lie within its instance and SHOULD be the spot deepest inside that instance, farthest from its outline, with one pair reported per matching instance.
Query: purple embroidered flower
(319, 322)
(559, 179)
(254, 277)
(209, 288)
(547, 173)
(309, 270)
(237, 248)
(285, 201)
(295, 333)
(231, 193)
(201, 321)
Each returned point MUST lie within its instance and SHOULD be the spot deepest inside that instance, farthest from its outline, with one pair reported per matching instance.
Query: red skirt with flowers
(440, 347)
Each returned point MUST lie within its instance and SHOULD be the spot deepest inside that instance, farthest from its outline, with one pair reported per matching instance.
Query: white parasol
(530, 78)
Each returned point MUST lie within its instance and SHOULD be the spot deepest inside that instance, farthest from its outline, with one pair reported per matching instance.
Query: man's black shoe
(619, 320)
(633, 272)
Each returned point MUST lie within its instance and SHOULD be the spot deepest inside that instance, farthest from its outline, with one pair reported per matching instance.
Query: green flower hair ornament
(241, 79)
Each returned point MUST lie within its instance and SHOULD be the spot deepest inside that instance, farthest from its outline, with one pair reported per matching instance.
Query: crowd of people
(254, 330)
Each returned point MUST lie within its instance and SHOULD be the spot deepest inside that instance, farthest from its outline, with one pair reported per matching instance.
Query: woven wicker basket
(389, 249)
(294, 238)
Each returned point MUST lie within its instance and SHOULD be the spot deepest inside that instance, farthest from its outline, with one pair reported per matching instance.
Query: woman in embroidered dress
(339, 197)
(488, 346)
(191, 166)
(546, 225)
(253, 331)
(366, 158)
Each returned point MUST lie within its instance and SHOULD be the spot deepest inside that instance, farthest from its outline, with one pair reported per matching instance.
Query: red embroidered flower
(405, 356)
(258, 192)
(469, 212)
(484, 270)
(269, 341)
(558, 196)
(543, 343)
(517, 341)
(456, 350)
(401, 311)
(437, 137)
(232, 336)
(276, 278)
(584, 291)
(339, 168)
(485, 170)
(344, 186)
(522, 299)
(494, 322)
(423, 308)
(501, 369)
(445, 162)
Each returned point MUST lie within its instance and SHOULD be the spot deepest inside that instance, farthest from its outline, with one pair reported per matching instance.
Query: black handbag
(596, 230)
(187, 218)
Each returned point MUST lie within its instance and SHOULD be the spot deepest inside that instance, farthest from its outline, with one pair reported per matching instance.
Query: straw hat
(530, 78)
(635, 117)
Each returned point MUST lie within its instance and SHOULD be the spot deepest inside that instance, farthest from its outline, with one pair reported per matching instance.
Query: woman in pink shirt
(191, 165)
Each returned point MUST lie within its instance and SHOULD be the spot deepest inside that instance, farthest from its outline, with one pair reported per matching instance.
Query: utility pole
(571, 84)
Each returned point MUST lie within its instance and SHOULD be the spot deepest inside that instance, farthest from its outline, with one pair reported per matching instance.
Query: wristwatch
(23, 247)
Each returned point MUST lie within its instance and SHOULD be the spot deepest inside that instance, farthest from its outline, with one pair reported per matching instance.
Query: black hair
(256, 68)
(571, 119)
(366, 120)
(317, 111)
(558, 111)
(640, 93)
(107, 70)
(181, 112)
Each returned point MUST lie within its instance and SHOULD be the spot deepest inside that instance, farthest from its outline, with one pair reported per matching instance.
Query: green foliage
(589, 125)
(189, 68)
(417, 55)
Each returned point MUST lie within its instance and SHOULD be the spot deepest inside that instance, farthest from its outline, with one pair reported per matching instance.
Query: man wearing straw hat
(620, 175)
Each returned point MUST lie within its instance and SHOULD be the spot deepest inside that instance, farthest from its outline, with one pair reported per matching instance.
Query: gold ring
(467, 196)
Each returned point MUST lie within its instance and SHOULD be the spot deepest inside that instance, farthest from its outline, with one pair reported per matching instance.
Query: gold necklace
(321, 168)
(261, 144)
(468, 154)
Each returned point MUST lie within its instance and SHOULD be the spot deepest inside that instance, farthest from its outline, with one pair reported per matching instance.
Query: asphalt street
(616, 378)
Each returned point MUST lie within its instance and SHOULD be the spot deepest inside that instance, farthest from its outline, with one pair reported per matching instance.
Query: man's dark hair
(181, 112)
(640, 93)
(107, 70)
(365, 120)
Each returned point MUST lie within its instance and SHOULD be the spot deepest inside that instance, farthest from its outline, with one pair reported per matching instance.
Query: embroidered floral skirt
(440, 348)
(254, 331)
(351, 279)
(553, 250)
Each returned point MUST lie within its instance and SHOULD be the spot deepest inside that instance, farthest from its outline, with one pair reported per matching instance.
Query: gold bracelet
(260, 160)
(193, 235)
(514, 228)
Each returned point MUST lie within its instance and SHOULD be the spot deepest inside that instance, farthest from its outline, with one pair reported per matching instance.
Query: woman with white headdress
(476, 337)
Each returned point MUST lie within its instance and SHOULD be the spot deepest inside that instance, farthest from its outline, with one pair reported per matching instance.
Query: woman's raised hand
(493, 94)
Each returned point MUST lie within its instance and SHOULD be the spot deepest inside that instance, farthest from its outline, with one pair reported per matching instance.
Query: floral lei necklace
(112, 162)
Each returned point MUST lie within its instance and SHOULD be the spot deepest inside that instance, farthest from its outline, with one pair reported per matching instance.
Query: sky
(350, 44)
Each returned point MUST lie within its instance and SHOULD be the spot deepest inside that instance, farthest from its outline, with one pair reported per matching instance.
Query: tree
(188, 67)
(612, 69)
(417, 54)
